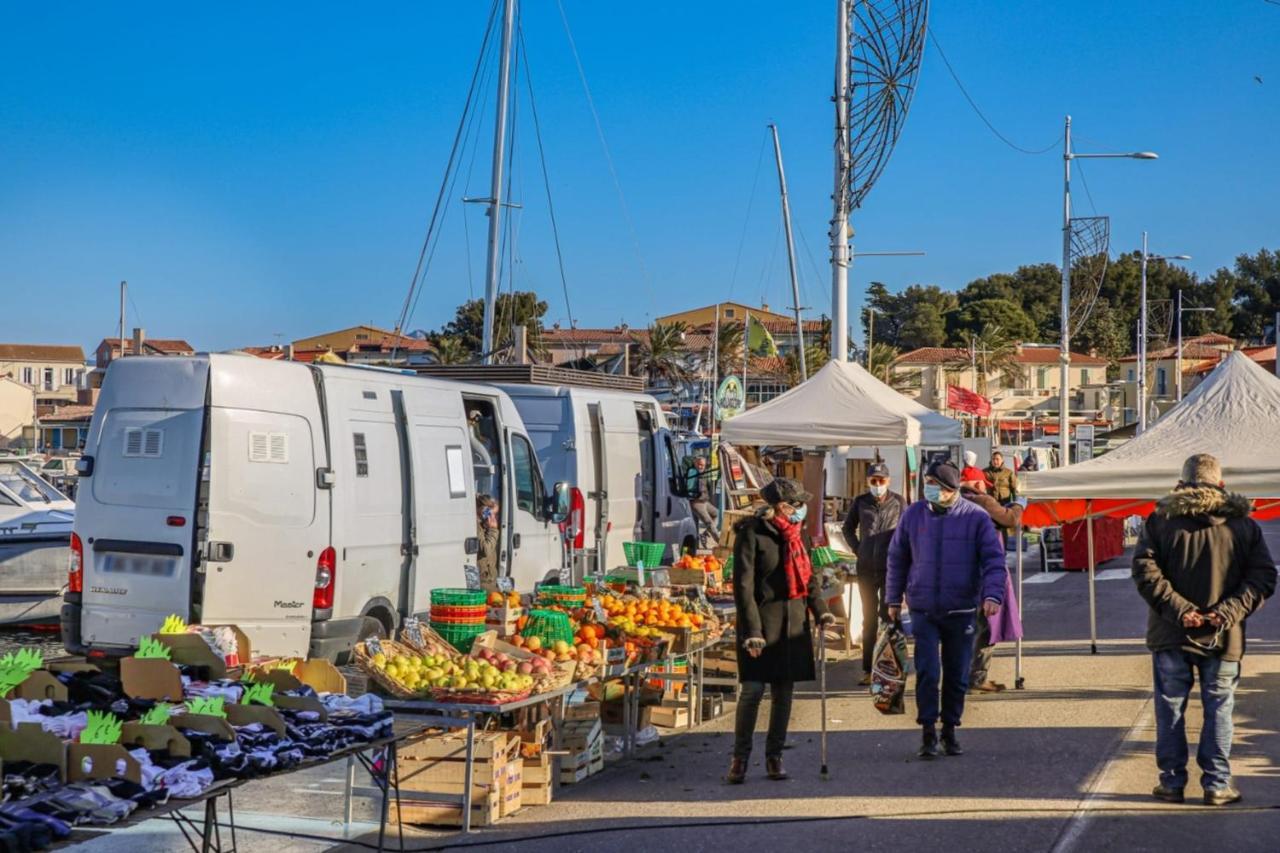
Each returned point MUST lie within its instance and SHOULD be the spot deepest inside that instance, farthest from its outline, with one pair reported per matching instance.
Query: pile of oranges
(642, 617)
(709, 564)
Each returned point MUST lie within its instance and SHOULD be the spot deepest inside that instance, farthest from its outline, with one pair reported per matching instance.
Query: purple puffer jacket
(945, 562)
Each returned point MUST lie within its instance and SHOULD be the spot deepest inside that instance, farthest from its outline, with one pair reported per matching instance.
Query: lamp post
(1142, 334)
(1177, 364)
(1064, 393)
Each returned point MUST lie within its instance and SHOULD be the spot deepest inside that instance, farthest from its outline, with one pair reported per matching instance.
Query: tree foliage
(662, 355)
(522, 308)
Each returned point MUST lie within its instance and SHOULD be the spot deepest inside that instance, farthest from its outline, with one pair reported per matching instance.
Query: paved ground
(1064, 765)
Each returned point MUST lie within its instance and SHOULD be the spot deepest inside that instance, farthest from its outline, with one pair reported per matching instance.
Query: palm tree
(662, 355)
(883, 358)
(729, 346)
(451, 350)
(996, 354)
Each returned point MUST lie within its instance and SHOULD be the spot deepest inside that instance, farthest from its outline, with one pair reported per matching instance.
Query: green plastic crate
(461, 637)
(459, 597)
(567, 595)
(549, 626)
(651, 553)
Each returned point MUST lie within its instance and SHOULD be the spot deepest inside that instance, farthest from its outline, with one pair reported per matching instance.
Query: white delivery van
(618, 455)
(310, 505)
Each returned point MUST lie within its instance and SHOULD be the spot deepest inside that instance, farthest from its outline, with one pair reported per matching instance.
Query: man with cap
(1203, 567)
(868, 528)
(947, 561)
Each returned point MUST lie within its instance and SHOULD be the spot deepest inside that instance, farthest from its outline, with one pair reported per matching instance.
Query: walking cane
(822, 692)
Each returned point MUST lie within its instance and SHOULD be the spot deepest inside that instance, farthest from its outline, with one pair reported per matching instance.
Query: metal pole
(1093, 598)
(840, 220)
(1142, 342)
(495, 184)
(791, 251)
(1275, 338)
(1177, 362)
(1018, 681)
(746, 352)
(871, 335)
(1064, 416)
(124, 289)
(715, 375)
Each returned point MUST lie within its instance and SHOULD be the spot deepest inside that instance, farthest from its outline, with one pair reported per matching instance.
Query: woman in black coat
(774, 588)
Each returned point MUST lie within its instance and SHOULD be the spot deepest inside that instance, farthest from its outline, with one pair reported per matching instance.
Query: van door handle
(219, 552)
(668, 506)
(515, 541)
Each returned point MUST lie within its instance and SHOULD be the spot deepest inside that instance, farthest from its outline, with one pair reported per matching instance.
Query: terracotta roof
(163, 346)
(767, 366)
(1262, 355)
(1026, 355)
(70, 413)
(587, 336)
(41, 352)
(1191, 352)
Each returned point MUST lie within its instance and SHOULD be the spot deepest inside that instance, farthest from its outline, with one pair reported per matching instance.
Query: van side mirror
(558, 503)
(84, 466)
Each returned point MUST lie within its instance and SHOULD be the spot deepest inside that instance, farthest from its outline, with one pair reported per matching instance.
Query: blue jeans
(1175, 672)
(953, 634)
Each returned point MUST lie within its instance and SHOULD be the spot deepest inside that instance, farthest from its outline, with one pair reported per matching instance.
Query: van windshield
(26, 485)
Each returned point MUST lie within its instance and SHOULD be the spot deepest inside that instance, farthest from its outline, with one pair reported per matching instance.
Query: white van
(618, 455)
(310, 505)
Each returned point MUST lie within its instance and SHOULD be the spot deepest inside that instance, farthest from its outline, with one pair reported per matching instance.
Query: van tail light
(574, 527)
(326, 574)
(75, 566)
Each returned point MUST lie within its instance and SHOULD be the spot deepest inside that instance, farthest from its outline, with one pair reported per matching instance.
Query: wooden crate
(485, 811)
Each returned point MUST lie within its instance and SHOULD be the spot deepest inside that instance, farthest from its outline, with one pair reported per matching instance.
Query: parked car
(312, 505)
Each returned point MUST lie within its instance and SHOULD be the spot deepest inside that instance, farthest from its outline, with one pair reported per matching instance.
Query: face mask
(879, 491)
(933, 494)
(800, 514)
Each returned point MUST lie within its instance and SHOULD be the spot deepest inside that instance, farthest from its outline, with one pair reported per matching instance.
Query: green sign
(731, 398)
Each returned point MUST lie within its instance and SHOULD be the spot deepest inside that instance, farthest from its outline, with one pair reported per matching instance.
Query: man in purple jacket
(947, 559)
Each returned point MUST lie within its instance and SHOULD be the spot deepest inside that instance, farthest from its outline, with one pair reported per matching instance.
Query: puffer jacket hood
(1210, 501)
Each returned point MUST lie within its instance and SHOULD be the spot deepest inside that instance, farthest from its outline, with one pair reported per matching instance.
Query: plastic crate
(823, 556)
(458, 614)
(549, 626)
(459, 597)
(460, 637)
(566, 596)
(650, 553)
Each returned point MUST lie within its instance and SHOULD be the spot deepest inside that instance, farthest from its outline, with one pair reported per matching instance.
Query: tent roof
(842, 404)
(1233, 414)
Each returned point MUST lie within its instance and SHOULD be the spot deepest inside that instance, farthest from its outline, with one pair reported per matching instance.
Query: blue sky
(264, 170)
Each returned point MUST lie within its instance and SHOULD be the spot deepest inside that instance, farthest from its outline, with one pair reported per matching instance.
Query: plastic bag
(889, 668)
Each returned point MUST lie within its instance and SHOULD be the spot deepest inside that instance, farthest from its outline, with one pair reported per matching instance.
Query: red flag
(964, 400)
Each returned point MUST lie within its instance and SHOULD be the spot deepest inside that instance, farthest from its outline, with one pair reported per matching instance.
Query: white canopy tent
(1233, 414)
(841, 405)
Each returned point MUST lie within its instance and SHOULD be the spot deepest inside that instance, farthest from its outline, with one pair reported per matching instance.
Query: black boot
(737, 772)
(929, 745)
(773, 769)
(950, 745)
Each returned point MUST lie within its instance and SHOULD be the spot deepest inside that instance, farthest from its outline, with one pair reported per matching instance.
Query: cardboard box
(320, 675)
(243, 715)
(670, 716)
(192, 650)
(87, 761)
(216, 726)
(151, 678)
(153, 738)
(41, 684)
(30, 742)
(485, 811)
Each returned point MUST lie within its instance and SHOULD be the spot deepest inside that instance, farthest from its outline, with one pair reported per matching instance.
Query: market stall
(1232, 414)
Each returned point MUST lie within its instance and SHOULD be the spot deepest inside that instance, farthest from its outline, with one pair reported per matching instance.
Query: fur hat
(784, 490)
(1202, 469)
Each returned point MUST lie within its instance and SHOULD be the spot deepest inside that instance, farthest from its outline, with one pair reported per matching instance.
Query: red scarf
(795, 559)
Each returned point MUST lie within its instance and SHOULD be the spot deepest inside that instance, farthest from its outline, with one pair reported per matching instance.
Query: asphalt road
(1065, 764)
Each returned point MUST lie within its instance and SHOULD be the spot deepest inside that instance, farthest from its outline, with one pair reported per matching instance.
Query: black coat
(763, 609)
(1200, 551)
(869, 527)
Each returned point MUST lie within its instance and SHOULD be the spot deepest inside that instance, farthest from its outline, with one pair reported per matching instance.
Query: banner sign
(731, 399)
(964, 400)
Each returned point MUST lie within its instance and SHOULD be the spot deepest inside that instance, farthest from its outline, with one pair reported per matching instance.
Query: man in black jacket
(868, 528)
(1203, 567)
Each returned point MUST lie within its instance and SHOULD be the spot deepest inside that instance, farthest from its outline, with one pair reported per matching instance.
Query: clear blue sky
(263, 169)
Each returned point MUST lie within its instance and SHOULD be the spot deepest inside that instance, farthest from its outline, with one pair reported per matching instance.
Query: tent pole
(1018, 681)
(1093, 599)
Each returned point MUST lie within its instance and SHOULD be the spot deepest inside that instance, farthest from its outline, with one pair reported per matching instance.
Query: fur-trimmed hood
(1191, 501)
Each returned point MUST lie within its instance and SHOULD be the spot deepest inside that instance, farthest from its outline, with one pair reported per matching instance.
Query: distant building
(53, 371)
(139, 344)
(355, 345)
(1162, 369)
(65, 428)
(17, 413)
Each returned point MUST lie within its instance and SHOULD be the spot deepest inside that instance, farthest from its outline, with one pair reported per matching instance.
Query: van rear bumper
(331, 638)
(72, 638)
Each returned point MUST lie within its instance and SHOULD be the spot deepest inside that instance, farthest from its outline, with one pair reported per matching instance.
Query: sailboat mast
(840, 220)
(495, 187)
(791, 251)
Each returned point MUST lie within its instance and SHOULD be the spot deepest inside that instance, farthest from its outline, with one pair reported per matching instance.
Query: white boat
(35, 539)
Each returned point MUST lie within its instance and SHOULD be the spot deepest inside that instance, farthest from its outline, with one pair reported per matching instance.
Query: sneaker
(1221, 796)
(1169, 795)
(987, 687)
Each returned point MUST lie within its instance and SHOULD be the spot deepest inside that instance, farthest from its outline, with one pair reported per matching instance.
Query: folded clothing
(184, 780)
(65, 724)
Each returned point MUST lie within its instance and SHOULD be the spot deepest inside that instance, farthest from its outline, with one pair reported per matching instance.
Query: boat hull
(33, 577)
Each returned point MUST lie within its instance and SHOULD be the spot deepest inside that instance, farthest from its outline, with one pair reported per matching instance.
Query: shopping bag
(889, 668)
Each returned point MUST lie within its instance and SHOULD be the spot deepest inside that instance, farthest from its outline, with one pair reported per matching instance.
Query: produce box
(485, 811)
(512, 788)
(580, 765)
(580, 735)
(505, 620)
(540, 794)
(453, 746)
(670, 716)
(687, 577)
(582, 711)
(537, 771)
(712, 706)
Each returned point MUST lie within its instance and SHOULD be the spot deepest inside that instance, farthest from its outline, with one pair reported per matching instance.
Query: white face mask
(879, 490)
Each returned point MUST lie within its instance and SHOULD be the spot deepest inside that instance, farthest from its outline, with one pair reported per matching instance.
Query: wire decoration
(1090, 252)
(887, 40)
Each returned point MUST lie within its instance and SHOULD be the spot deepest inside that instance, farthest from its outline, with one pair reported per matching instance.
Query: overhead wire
(410, 299)
(613, 172)
(546, 179)
(978, 110)
(746, 221)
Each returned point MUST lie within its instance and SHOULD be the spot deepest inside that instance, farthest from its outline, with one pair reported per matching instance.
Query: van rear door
(137, 512)
(267, 521)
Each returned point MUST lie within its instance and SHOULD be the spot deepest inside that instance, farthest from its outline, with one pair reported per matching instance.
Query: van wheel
(371, 627)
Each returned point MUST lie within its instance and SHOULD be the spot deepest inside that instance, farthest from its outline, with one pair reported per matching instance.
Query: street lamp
(1177, 365)
(1142, 334)
(1064, 414)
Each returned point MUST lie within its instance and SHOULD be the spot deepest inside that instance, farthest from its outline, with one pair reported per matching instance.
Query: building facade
(54, 372)
(139, 344)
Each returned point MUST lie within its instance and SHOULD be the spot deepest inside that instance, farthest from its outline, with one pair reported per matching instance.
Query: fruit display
(498, 599)
(495, 672)
(648, 617)
(709, 564)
